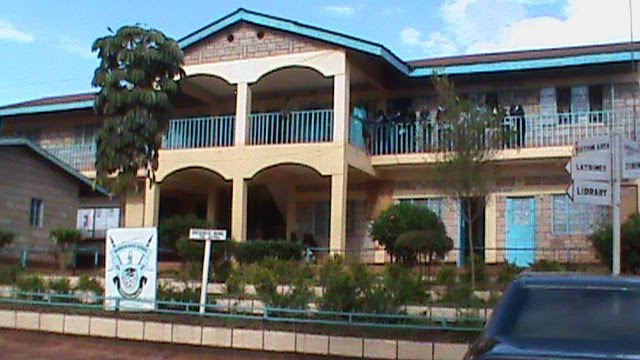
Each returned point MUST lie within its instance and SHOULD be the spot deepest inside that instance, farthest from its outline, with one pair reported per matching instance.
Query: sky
(45, 46)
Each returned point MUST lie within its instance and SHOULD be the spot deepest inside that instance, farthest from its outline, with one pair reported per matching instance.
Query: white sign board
(630, 147)
(131, 264)
(600, 143)
(631, 166)
(590, 192)
(208, 234)
(590, 166)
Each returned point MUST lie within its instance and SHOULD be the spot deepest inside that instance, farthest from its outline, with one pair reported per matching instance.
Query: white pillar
(151, 204)
(239, 210)
(243, 112)
(338, 233)
(341, 106)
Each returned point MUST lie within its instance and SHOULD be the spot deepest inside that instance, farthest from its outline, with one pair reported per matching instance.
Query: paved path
(25, 345)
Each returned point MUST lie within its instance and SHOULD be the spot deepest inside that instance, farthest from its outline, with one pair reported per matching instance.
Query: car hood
(547, 350)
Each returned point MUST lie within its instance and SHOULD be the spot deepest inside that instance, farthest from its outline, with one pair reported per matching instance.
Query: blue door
(521, 231)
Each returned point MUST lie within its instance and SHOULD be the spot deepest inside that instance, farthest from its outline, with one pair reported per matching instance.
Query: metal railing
(199, 132)
(462, 321)
(308, 126)
(79, 156)
(529, 131)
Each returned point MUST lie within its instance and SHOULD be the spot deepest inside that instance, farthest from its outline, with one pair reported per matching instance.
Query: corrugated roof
(55, 161)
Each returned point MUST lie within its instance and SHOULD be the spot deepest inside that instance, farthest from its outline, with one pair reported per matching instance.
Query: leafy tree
(469, 138)
(138, 72)
(65, 241)
(402, 218)
(602, 242)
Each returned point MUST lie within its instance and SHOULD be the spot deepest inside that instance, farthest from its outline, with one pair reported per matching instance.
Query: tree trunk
(471, 249)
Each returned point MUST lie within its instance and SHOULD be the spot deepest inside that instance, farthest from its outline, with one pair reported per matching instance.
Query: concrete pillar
(341, 105)
(291, 213)
(134, 208)
(490, 230)
(338, 230)
(243, 111)
(239, 209)
(151, 204)
(212, 202)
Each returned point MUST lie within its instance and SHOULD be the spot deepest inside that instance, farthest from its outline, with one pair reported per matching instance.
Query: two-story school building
(284, 128)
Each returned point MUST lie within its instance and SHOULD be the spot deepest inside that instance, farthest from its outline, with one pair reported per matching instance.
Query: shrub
(602, 241)
(60, 286)
(65, 241)
(6, 238)
(507, 273)
(432, 244)
(87, 283)
(403, 286)
(461, 295)
(176, 227)
(255, 251)
(482, 276)
(402, 218)
(547, 266)
(9, 274)
(30, 283)
(446, 275)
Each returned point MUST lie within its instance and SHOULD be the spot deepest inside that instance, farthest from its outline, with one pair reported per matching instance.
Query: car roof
(577, 280)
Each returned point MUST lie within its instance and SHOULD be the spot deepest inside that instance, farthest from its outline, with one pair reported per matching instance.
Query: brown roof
(53, 100)
(524, 55)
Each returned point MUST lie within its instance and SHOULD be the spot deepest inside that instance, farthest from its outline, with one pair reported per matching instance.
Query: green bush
(31, 283)
(403, 286)
(65, 240)
(461, 295)
(87, 283)
(60, 286)
(547, 266)
(432, 244)
(446, 275)
(602, 241)
(252, 252)
(482, 276)
(9, 274)
(6, 238)
(176, 227)
(507, 273)
(402, 218)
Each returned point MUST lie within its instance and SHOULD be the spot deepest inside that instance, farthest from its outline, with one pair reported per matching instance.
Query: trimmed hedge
(251, 252)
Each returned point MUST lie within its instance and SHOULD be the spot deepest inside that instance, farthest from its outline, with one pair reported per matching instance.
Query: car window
(583, 315)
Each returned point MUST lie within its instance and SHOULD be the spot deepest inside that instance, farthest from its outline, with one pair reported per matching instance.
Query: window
(36, 213)
(85, 134)
(434, 204)
(563, 104)
(572, 218)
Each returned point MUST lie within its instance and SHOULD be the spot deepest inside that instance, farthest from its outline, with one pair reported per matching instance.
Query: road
(18, 345)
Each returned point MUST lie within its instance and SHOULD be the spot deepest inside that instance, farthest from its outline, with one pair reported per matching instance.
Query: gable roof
(55, 161)
(455, 65)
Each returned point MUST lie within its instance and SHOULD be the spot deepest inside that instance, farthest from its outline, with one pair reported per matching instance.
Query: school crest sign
(131, 268)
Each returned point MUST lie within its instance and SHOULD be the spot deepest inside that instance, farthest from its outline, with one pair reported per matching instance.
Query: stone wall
(26, 176)
(246, 41)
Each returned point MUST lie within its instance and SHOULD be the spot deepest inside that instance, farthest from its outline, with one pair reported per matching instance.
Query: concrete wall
(26, 176)
(222, 337)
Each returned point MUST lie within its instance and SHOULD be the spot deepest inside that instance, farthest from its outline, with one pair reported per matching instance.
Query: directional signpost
(206, 235)
(596, 169)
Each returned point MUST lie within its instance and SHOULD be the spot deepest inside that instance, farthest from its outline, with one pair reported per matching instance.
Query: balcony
(82, 157)
(199, 132)
(530, 131)
(309, 126)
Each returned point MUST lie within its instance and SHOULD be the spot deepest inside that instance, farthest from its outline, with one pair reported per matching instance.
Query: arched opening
(291, 105)
(289, 201)
(205, 114)
(199, 192)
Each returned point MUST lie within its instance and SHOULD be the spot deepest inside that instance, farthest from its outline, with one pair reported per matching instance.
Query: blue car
(564, 316)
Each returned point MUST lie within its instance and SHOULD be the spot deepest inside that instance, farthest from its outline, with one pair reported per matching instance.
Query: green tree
(469, 138)
(138, 72)
(602, 241)
(402, 218)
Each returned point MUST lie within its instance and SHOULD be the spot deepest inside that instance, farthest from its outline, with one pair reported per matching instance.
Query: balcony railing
(530, 131)
(209, 131)
(79, 156)
(309, 126)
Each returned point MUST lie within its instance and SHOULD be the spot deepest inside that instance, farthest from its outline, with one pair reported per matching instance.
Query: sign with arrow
(590, 166)
(590, 192)
(594, 144)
